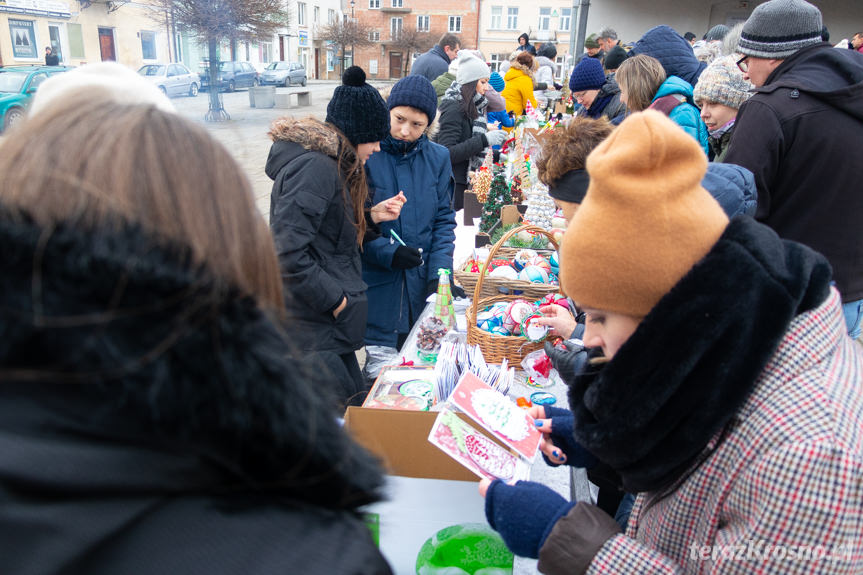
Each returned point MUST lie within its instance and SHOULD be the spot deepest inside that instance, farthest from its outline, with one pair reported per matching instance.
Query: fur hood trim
(516, 65)
(309, 132)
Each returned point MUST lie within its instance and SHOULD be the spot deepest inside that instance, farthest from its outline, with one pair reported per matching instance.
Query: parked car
(232, 75)
(284, 74)
(172, 79)
(18, 85)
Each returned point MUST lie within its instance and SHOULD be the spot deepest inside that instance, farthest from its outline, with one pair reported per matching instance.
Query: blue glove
(524, 514)
(562, 428)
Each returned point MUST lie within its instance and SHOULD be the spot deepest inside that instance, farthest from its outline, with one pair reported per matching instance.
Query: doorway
(55, 41)
(317, 62)
(281, 48)
(106, 45)
(395, 64)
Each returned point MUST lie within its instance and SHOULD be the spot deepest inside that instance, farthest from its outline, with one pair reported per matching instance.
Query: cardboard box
(426, 489)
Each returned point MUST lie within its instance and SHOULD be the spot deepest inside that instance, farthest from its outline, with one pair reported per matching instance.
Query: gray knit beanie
(779, 28)
(722, 82)
(471, 68)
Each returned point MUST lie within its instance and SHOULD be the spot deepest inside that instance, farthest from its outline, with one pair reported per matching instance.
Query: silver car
(172, 79)
(284, 74)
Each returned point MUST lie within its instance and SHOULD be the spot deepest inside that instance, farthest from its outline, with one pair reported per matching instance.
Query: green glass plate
(466, 549)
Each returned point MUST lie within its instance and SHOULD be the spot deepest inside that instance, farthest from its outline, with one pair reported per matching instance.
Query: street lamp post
(353, 24)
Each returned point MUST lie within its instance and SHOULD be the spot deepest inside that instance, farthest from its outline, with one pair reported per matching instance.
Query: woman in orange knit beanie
(728, 395)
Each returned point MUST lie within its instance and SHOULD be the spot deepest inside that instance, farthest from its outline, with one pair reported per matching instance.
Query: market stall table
(566, 481)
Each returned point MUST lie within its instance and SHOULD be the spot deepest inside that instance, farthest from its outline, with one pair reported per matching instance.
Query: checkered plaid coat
(784, 485)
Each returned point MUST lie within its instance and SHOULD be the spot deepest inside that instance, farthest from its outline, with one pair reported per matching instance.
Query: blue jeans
(853, 311)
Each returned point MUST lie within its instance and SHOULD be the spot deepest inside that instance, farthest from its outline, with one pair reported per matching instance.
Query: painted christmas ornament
(522, 257)
(533, 274)
(507, 272)
(540, 262)
(497, 263)
(554, 262)
(532, 330)
(515, 314)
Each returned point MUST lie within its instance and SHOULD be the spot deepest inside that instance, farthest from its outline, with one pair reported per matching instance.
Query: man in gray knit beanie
(799, 134)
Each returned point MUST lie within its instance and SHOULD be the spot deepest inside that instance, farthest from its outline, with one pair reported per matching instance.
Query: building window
(397, 3)
(301, 13)
(512, 18)
(395, 28)
(544, 18)
(76, 40)
(565, 18)
(374, 4)
(422, 23)
(266, 53)
(455, 24)
(497, 60)
(148, 45)
(496, 17)
(331, 16)
(374, 36)
(316, 15)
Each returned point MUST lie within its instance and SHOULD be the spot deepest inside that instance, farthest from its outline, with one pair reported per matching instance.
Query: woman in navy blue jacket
(400, 278)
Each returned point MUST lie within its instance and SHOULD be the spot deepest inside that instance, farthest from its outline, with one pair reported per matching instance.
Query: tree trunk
(216, 112)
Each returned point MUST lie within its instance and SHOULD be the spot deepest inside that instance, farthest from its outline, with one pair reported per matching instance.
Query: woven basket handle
(477, 290)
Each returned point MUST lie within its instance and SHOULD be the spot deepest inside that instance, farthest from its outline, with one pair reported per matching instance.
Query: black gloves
(558, 87)
(540, 86)
(405, 258)
(569, 363)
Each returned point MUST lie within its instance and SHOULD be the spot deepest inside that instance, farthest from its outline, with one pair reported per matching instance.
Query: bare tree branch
(344, 34)
(410, 40)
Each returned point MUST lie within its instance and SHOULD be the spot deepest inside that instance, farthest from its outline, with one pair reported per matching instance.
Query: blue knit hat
(496, 82)
(358, 110)
(417, 92)
(588, 75)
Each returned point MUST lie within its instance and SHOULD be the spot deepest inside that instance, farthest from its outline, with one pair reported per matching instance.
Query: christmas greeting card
(475, 451)
(496, 413)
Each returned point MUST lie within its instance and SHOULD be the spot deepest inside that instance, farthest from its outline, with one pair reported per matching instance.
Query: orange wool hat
(645, 220)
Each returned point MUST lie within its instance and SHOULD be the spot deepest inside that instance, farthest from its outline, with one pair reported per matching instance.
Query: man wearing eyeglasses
(800, 134)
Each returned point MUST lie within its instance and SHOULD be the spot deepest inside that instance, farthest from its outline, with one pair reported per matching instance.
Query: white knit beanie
(470, 68)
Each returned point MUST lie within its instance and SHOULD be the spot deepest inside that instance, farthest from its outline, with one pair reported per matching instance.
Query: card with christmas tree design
(496, 413)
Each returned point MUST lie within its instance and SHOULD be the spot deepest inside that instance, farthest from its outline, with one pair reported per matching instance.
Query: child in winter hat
(720, 91)
(414, 91)
(358, 110)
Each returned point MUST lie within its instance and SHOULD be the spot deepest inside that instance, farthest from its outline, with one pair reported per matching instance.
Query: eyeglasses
(743, 64)
(579, 95)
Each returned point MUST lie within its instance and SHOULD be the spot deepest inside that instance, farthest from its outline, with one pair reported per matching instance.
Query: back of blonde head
(91, 161)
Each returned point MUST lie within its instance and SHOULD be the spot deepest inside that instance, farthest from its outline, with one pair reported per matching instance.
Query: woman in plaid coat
(729, 397)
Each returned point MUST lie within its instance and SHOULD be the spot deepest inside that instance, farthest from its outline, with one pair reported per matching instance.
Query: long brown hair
(351, 170)
(640, 77)
(92, 161)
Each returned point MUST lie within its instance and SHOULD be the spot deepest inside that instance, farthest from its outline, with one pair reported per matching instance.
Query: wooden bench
(283, 99)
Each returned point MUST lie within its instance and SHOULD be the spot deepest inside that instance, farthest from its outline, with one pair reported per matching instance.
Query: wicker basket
(497, 347)
(492, 286)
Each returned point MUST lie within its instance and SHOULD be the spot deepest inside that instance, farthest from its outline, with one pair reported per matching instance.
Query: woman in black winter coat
(317, 214)
(462, 122)
(154, 418)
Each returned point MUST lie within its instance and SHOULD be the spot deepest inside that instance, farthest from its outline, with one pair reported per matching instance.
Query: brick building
(391, 21)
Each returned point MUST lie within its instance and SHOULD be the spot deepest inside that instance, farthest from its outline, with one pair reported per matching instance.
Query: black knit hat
(615, 58)
(417, 92)
(358, 110)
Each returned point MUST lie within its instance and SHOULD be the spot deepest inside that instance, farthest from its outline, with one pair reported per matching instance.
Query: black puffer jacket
(152, 422)
(316, 239)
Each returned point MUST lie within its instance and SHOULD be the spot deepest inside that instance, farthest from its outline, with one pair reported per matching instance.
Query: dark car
(232, 75)
(18, 85)
(284, 74)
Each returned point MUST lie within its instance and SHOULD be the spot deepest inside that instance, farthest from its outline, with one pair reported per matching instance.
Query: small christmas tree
(498, 196)
(481, 178)
(540, 207)
(515, 190)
